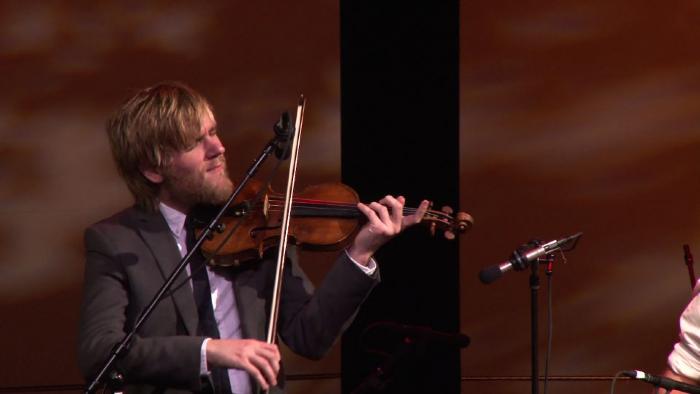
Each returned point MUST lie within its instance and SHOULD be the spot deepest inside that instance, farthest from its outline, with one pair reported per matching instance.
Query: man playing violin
(166, 146)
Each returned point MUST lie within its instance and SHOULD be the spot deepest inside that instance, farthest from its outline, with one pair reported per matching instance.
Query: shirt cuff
(368, 269)
(203, 370)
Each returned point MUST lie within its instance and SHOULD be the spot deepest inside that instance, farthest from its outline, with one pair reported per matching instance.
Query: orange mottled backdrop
(575, 116)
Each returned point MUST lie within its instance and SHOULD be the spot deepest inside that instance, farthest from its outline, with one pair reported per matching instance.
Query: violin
(325, 216)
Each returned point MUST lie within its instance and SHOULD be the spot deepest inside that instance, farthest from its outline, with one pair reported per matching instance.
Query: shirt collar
(174, 218)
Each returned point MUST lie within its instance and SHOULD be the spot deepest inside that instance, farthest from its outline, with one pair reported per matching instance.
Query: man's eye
(194, 144)
(198, 141)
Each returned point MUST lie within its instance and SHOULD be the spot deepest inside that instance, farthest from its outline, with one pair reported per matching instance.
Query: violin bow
(284, 231)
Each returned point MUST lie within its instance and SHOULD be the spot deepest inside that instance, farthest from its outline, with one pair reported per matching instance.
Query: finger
(256, 374)
(383, 213)
(260, 346)
(276, 359)
(269, 346)
(276, 351)
(268, 367)
(396, 220)
(374, 216)
(371, 215)
(396, 205)
(418, 215)
(270, 352)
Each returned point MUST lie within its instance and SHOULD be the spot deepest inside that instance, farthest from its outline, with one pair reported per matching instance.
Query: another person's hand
(385, 220)
(260, 359)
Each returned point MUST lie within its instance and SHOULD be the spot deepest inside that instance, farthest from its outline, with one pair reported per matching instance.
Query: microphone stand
(534, 288)
(547, 259)
(534, 253)
(534, 316)
(116, 379)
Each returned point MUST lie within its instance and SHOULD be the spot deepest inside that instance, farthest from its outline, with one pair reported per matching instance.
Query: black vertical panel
(400, 135)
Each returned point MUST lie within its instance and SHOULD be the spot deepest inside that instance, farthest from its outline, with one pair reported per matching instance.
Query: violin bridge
(266, 208)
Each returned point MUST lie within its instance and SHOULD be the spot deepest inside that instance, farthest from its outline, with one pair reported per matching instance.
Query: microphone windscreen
(488, 275)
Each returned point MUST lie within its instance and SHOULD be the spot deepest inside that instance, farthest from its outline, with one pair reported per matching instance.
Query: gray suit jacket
(128, 257)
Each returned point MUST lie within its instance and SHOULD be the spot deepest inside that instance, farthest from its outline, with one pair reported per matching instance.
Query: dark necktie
(207, 321)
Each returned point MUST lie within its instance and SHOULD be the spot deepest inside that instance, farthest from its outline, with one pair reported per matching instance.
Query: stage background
(574, 117)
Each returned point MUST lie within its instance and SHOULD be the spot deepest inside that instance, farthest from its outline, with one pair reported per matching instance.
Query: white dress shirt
(685, 357)
(223, 299)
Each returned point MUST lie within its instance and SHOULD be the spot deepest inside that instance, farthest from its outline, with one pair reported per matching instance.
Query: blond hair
(148, 128)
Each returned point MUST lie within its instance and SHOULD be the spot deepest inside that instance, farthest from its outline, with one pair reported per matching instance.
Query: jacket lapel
(251, 307)
(155, 233)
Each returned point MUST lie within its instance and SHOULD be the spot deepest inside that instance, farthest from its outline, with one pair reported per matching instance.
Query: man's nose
(214, 146)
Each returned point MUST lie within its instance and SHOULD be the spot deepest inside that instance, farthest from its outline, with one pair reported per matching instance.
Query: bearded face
(193, 186)
(197, 175)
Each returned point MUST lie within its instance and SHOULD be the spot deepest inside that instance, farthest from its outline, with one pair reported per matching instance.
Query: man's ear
(152, 174)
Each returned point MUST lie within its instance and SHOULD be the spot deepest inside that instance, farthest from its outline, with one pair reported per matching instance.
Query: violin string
(328, 206)
(331, 204)
(316, 205)
(434, 215)
(318, 210)
(353, 208)
(349, 208)
(299, 201)
(322, 203)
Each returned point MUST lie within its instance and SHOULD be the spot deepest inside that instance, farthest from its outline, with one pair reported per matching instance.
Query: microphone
(522, 256)
(283, 136)
(660, 381)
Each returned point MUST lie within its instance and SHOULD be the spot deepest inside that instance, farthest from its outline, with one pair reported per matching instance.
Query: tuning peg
(432, 229)
(464, 221)
(449, 234)
(446, 209)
